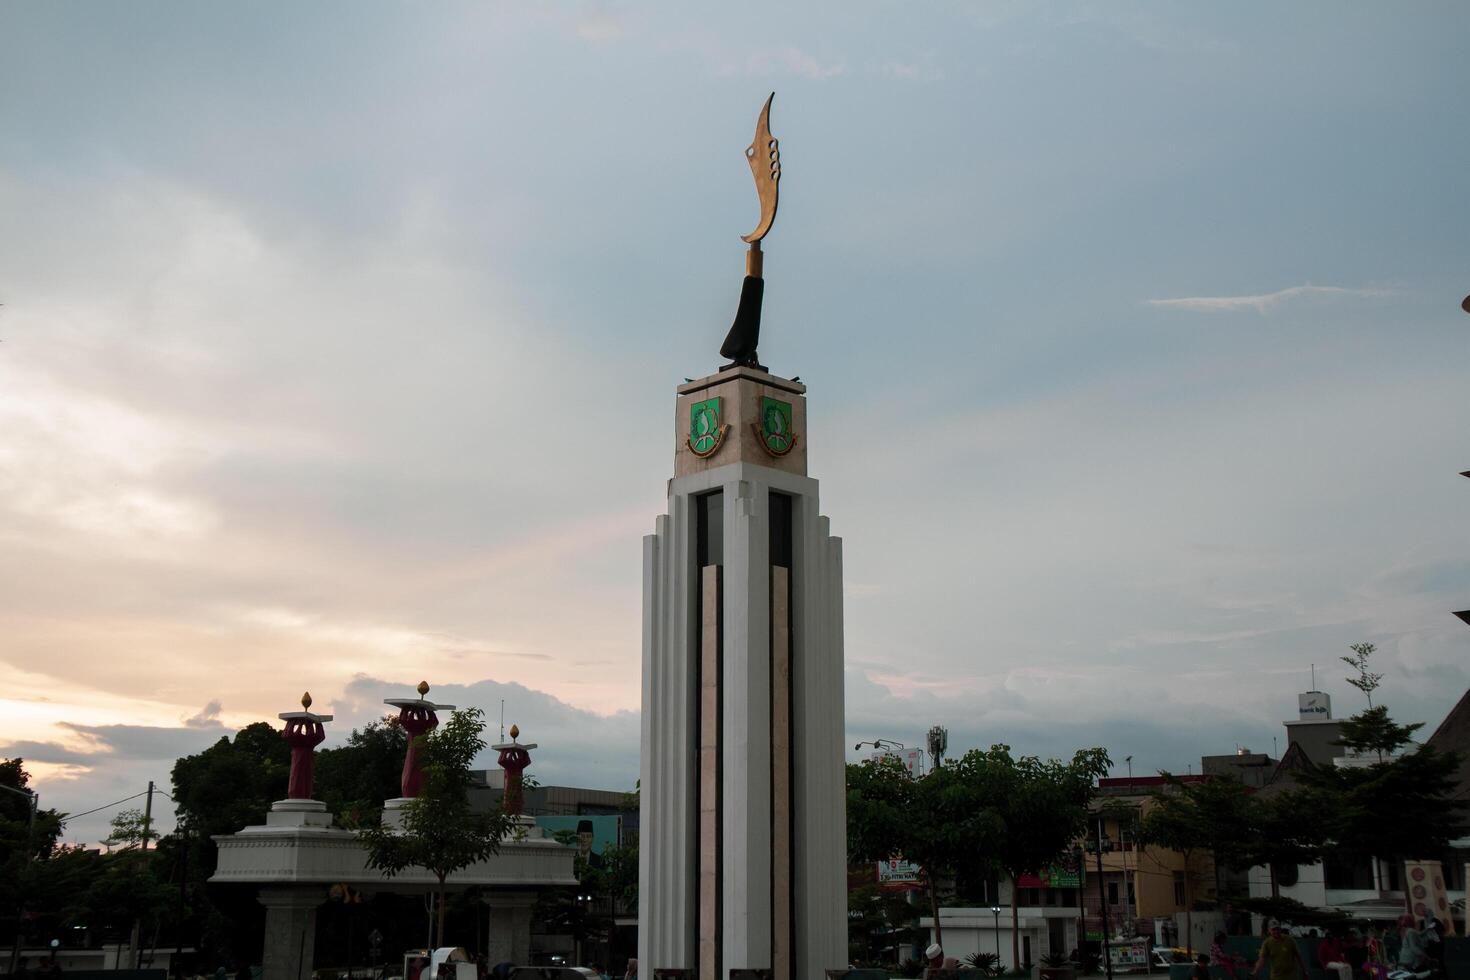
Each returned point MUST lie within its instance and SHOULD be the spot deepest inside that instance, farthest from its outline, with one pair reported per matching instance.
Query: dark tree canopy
(1400, 808)
(232, 783)
(354, 779)
(985, 811)
(1374, 731)
(19, 838)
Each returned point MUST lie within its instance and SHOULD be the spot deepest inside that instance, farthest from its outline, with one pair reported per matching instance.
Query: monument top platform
(762, 377)
(303, 716)
(740, 415)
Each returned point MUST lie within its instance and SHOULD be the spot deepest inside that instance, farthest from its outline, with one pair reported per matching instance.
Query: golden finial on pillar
(515, 732)
(423, 688)
(306, 700)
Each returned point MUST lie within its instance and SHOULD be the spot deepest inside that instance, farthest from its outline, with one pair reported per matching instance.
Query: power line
(73, 816)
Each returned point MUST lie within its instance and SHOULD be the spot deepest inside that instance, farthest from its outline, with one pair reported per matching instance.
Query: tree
(1400, 807)
(227, 786)
(232, 783)
(939, 821)
(981, 812)
(1180, 820)
(1040, 806)
(354, 779)
(1288, 830)
(1374, 731)
(1366, 681)
(17, 834)
(879, 921)
(441, 832)
(127, 889)
(24, 840)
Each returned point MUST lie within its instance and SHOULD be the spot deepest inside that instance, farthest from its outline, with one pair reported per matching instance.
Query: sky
(339, 342)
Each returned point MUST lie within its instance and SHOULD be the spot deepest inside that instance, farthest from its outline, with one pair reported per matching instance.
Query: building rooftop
(1453, 735)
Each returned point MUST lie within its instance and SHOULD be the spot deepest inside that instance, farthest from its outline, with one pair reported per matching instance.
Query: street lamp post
(995, 911)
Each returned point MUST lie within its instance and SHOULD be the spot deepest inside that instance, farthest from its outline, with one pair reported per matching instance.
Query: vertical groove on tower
(782, 813)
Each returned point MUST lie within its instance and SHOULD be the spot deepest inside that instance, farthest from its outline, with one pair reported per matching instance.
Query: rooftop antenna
(502, 719)
(1314, 677)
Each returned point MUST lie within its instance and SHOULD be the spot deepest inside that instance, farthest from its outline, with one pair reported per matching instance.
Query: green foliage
(232, 783)
(1374, 731)
(128, 888)
(441, 832)
(24, 844)
(1041, 807)
(354, 779)
(878, 920)
(614, 876)
(19, 838)
(1241, 829)
(1288, 830)
(227, 786)
(986, 810)
(130, 829)
(1398, 808)
(940, 822)
(1054, 960)
(1366, 681)
(985, 962)
(1188, 817)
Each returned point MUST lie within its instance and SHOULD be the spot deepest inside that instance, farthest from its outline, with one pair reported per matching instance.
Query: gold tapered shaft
(753, 260)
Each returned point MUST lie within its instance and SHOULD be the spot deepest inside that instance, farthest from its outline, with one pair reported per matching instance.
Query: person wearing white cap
(935, 960)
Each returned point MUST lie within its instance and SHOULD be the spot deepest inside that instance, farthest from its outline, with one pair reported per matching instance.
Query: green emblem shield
(705, 431)
(775, 431)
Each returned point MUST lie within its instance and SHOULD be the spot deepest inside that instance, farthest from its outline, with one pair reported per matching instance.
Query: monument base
(393, 811)
(298, 813)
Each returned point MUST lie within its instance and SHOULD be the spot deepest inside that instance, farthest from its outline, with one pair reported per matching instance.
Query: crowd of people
(1414, 946)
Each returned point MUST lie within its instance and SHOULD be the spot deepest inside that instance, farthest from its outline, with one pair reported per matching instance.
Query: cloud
(911, 71)
(599, 26)
(52, 753)
(208, 717)
(1261, 303)
(789, 60)
(146, 743)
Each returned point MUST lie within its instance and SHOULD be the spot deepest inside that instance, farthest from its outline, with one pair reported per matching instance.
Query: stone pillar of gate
(290, 930)
(509, 937)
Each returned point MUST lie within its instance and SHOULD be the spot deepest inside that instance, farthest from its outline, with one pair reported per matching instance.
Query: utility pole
(147, 816)
(138, 922)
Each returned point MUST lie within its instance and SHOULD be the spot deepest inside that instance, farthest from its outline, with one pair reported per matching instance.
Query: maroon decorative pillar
(514, 758)
(417, 718)
(304, 732)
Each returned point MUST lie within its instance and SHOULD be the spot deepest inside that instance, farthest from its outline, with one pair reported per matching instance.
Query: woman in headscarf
(1412, 953)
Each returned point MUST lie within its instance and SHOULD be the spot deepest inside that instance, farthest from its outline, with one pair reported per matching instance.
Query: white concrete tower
(742, 849)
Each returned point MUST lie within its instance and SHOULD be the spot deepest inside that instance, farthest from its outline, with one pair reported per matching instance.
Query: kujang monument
(742, 861)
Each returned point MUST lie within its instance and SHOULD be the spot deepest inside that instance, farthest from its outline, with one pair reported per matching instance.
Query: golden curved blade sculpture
(764, 157)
